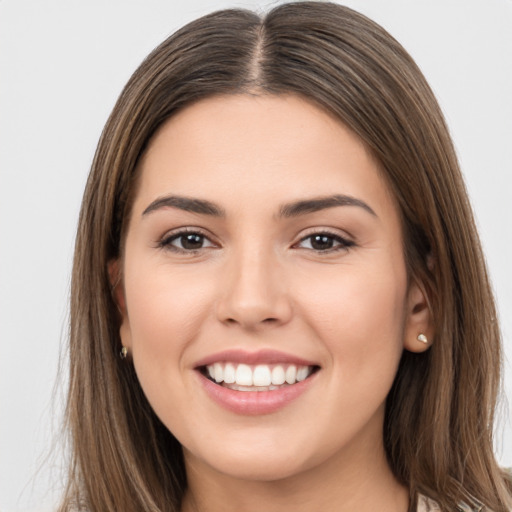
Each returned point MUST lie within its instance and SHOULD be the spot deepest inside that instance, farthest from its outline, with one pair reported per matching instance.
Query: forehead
(242, 146)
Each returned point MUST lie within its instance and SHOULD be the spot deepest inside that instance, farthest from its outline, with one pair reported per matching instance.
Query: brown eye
(186, 242)
(191, 241)
(324, 242)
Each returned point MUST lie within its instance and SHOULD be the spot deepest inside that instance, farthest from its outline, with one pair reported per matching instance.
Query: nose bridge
(254, 291)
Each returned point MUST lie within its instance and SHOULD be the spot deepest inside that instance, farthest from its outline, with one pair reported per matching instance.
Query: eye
(324, 242)
(186, 241)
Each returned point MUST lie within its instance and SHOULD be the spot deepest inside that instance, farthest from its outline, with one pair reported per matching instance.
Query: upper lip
(252, 358)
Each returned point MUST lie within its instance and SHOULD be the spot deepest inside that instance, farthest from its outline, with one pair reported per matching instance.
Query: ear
(117, 287)
(418, 319)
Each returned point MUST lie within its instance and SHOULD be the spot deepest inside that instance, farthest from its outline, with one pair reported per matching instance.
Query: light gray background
(62, 66)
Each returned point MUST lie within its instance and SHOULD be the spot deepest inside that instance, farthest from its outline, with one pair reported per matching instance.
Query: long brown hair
(439, 419)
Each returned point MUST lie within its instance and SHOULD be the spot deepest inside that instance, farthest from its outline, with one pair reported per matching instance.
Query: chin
(262, 469)
(250, 460)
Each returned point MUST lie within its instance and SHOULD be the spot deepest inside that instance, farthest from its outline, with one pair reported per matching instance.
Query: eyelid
(345, 241)
(164, 242)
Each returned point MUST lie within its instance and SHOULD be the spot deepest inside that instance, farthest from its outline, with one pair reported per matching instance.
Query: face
(264, 293)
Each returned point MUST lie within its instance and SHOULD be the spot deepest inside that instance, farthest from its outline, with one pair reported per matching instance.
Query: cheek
(359, 313)
(359, 317)
(165, 310)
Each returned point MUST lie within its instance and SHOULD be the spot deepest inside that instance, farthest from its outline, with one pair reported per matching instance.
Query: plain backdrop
(63, 64)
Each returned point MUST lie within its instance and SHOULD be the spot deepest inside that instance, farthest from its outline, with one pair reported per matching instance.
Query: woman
(279, 299)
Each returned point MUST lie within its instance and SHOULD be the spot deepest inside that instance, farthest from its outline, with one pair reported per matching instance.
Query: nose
(254, 292)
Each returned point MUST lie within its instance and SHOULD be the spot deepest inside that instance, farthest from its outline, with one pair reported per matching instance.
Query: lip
(252, 403)
(253, 358)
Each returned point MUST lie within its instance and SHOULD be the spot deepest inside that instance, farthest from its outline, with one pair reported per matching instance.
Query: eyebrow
(293, 209)
(321, 203)
(187, 204)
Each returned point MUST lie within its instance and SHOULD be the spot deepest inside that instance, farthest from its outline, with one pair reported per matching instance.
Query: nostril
(266, 321)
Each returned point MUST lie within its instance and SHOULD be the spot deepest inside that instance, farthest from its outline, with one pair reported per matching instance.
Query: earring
(422, 338)
(123, 353)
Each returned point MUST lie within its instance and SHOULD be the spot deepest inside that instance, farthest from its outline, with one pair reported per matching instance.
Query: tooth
(243, 376)
(302, 373)
(219, 372)
(291, 374)
(278, 376)
(211, 371)
(229, 373)
(261, 376)
(235, 387)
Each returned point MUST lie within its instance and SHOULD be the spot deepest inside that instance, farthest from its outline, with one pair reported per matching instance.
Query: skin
(257, 282)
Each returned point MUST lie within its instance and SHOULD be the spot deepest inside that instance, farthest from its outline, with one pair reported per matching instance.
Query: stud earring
(123, 353)
(422, 338)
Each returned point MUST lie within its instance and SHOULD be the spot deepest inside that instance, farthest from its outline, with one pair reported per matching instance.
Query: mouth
(258, 377)
(255, 383)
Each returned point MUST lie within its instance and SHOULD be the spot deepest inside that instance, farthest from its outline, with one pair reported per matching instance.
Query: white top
(427, 505)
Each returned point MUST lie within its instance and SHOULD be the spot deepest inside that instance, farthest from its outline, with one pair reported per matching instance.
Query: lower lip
(255, 402)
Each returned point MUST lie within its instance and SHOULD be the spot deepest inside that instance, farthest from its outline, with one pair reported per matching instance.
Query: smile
(256, 383)
(261, 377)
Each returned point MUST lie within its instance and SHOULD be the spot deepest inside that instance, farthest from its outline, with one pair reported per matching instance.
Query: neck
(360, 481)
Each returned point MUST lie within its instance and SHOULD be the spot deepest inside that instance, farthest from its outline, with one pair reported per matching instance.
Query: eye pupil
(322, 242)
(192, 241)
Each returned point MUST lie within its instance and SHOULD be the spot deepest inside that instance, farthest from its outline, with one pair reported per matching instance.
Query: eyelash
(344, 244)
(166, 242)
